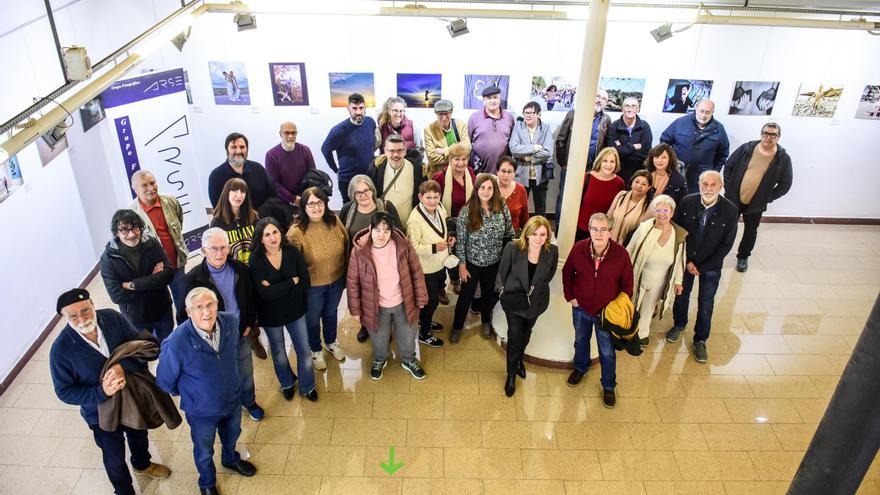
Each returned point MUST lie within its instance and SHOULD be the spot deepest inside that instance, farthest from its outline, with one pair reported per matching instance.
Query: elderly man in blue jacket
(199, 362)
(699, 141)
(76, 360)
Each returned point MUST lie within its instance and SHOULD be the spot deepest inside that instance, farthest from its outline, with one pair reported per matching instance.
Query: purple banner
(126, 145)
(143, 87)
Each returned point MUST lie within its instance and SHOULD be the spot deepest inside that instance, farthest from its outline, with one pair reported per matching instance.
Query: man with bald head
(287, 163)
(699, 141)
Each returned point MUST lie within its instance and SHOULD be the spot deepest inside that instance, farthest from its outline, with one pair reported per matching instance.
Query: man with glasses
(199, 362)
(596, 271)
(441, 134)
(230, 281)
(287, 163)
(757, 174)
(76, 360)
(710, 221)
(354, 141)
(531, 144)
(631, 137)
(489, 131)
(137, 273)
(396, 179)
(699, 141)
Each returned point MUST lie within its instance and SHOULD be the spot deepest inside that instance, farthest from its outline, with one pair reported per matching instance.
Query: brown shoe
(609, 399)
(155, 471)
(257, 346)
(456, 287)
(444, 298)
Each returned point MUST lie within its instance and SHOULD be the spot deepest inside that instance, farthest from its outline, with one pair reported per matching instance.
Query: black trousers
(750, 233)
(343, 190)
(435, 283)
(519, 332)
(112, 445)
(539, 197)
(485, 277)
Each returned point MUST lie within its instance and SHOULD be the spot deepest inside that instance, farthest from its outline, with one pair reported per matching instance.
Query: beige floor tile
(785, 387)
(692, 410)
(716, 386)
(627, 410)
(817, 344)
(270, 458)
(361, 486)
(774, 325)
(684, 488)
(340, 405)
(604, 488)
(864, 292)
(810, 410)
(77, 453)
(543, 408)
(420, 486)
(94, 481)
(801, 364)
(177, 455)
(33, 479)
(290, 430)
(740, 437)
(408, 406)
(12, 393)
(368, 431)
(794, 437)
(561, 464)
(418, 462)
(649, 386)
(825, 384)
(443, 433)
(643, 465)
(594, 436)
(482, 463)
(666, 436)
(715, 466)
(358, 381)
(16, 421)
(479, 407)
(27, 450)
(41, 396)
(264, 484)
(757, 344)
(868, 488)
(35, 372)
(446, 382)
(846, 307)
(506, 487)
(462, 360)
(755, 487)
(763, 411)
(322, 460)
(518, 434)
(737, 364)
(776, 466)
(833, 325)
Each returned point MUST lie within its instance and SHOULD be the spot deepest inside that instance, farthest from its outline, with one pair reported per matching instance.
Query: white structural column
(553, 336)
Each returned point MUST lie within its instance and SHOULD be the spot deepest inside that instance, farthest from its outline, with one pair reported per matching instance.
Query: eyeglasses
(599, 230)
(394, 110)
(216, 249)
(529, 114)
(362, 194)
(129, 230)
(769, 135)
(82, 314)
(201, 308)
(314, 204)
(662, 210)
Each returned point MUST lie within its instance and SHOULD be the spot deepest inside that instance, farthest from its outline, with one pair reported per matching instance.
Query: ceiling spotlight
(57, 134)
(662, 33)
(180, 40)
(457, 27)
(245, 21)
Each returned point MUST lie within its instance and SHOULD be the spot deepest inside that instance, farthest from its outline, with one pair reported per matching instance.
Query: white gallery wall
(59, 220)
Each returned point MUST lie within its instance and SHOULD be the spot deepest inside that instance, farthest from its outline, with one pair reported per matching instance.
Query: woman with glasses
(531, 143)
(513, 193)
(601, 185)
(319, 235)
(281, 279)
(629, 208)
(136, 273)
(393, 120)
(235, 215)
(657, 250)
(357, 213)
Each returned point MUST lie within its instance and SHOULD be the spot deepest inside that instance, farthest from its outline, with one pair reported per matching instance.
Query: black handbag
(516, 300)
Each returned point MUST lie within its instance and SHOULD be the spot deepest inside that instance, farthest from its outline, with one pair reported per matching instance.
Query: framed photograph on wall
(10, 177)
(553, 93)
(289, 84)
(419, 90)
(229, 83)
(683, 95)
(753, 97)
(343, 84)
(869, 103)
(621, 88)
(817, 100)
(474, 85)
(91, 113)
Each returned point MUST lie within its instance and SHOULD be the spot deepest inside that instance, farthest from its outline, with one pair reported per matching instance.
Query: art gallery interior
(782, 333)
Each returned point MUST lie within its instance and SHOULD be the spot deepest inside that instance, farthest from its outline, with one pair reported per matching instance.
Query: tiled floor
(781, 336)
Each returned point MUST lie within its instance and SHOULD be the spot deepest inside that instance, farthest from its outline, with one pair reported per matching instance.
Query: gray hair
(772, 125)
(662, 199)
(712, 172)
(197, 293)
(361, 179)
(214, 231)
(137, 176)
(600, 216)
(632, 99)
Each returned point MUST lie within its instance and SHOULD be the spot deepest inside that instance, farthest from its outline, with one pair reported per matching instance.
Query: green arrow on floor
(390, 467)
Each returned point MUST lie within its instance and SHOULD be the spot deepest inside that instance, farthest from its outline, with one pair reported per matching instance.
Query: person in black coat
(756, 174)
(631, 137)
(230, 280)
(662, 164)
(238, 166)
(136, 273)
(710, 221)
(527, 266)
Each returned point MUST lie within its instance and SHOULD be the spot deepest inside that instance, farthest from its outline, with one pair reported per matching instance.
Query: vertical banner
(151, 119)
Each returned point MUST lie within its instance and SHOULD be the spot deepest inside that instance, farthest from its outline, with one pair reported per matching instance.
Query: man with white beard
(700, 143)
(287, 163)
(76, 360)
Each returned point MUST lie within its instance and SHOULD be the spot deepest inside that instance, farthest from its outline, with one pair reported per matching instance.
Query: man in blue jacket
(76, 360)
(699, 141)
(199, 362)
(354, 141)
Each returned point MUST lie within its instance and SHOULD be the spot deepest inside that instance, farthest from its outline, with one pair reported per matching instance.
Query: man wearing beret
(489, 131)
(441, 134)
(76, 360)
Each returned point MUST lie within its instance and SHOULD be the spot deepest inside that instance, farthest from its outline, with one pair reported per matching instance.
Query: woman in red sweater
(600, 187)
(513, 193)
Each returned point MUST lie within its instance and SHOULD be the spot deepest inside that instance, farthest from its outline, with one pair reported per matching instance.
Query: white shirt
(213, 340)
(101, 346)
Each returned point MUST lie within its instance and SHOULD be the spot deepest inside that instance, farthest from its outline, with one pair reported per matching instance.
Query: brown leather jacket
(141, 404)
(362, 285)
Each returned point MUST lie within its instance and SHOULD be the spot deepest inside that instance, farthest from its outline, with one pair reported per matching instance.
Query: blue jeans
(161, 328)
(323, 305)
(583, 327)
(246, 368)
(112, 444)
(203, 429)
(299, 336)
(705, 303)
(178, 288)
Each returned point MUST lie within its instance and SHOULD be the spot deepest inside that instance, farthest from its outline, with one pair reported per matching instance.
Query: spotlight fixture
(457, 27)
(57, 134)
(662, 33)
(180, 40)
(77, 65)
(245, 21)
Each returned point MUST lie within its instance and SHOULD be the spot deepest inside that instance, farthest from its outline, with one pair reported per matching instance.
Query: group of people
(277, 257)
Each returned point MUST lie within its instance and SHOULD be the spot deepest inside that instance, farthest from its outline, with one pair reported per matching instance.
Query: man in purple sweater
(354, 141)
(489, 131)
(287, 163)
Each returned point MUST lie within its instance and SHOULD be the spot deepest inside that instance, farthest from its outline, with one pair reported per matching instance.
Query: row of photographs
(289, 88)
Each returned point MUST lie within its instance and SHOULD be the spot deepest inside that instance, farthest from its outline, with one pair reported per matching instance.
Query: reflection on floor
(782, 333)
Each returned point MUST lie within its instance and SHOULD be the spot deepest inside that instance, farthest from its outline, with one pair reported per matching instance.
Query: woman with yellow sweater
(320, 236)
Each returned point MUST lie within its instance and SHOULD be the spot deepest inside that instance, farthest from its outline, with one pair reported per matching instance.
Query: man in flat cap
(76, 360)
(489, 131)
(441, 134)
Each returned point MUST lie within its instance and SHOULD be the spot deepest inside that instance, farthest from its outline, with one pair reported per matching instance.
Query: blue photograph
(229, 83)
(419, 90)
(683, 95)
(343, 84)
(474, 84)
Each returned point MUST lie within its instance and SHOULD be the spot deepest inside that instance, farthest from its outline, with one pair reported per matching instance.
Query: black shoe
(313, 395)
(376, 369)
(288, 392)
(436, 327)
(609, 399)
(242, 467)
(455, 336)
(644, 342)
(510, 386)
(363, 335)
(211, 490)
(742, 264)
(521, 371)
(444, 298)
(487, 330)
(575, 378)
(673, 334)
(431, 341)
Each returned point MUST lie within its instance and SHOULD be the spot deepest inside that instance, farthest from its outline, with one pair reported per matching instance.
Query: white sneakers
(334, 349)
(318, 361)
